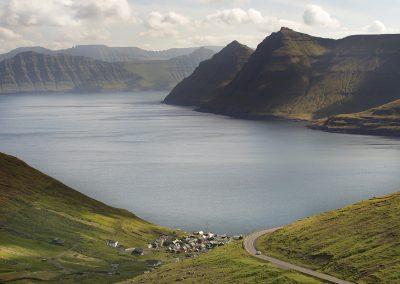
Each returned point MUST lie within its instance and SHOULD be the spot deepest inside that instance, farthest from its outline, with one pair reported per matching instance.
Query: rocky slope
(295, 75)
(166, 74)
(35, 72)
(211, 76)
(50, 232)
(359, 243)
(384, 120)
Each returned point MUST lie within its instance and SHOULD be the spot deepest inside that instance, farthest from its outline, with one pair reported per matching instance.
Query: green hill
(211, 76)
(295, 75)
(228, 264)
(359, 243)
(384, 120)
(49, 231)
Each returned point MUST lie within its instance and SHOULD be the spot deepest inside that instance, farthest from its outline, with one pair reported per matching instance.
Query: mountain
(358, 243)
(295, 75)
(37, 49)
(50, 232)
(35, 72)
(383, 120)
(111, 54)
(211, 76)
(38, 72)
(165, 74)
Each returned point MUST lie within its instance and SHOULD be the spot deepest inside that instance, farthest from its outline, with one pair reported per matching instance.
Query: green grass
(359, 243)
(228, 264)
(35, 208)
(383, 120)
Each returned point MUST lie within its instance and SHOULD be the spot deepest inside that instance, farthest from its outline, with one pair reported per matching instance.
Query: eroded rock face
(211, 76)
(295, 75)
(34, 72)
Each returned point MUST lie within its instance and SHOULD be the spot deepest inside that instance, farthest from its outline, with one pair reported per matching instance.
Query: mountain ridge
(110, 54)
(297, 76)
(210, 76)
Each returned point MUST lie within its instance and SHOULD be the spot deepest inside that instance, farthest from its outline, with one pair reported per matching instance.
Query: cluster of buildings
(194, 243)
(118, 246)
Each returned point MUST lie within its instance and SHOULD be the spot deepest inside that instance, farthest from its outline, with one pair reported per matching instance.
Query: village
(190, 245)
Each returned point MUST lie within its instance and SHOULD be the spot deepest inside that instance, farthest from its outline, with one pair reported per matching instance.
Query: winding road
(249, 244)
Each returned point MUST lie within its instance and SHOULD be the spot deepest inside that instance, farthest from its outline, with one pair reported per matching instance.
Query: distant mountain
(384, 120)
(211, 76)
(37, 49)
(295, 75)
(38, 72)
(111, 54)
(165, 74)
(35, 72)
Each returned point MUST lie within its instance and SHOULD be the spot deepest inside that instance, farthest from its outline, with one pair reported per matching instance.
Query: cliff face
(384, 120)
(211, 76)
(295, 75)
(34, 72)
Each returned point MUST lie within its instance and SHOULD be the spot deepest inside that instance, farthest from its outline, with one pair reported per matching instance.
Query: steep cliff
(295, 75)
(211, 76)
(35, 72)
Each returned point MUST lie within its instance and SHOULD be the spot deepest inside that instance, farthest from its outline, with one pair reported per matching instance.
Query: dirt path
(249, 245)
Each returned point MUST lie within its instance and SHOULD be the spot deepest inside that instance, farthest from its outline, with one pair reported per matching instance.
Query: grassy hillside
(229, 264)
(359, 243)
(35, 209)
(384, 120)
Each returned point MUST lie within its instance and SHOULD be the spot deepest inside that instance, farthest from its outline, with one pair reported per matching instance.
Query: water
(179, 168)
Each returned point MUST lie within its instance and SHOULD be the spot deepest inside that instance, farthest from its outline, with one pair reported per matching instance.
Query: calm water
(190, 170)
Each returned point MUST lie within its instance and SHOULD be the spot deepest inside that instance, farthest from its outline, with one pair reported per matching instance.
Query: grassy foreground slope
(384, 120)
(35, 209)
(359, 243)
(228, 264)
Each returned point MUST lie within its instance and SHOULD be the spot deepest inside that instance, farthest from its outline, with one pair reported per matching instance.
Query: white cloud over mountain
(315, 15)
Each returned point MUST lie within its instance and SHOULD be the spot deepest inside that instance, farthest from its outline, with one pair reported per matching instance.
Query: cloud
(103, 9)
(200, 40)
(7, 34)
(316, 16)
(235, 16)
(158, 24)
(28, 13)
(376, 27)
(223, 2)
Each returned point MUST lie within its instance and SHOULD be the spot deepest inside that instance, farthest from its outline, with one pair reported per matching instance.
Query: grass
(383, 120)
(360, 243)
(35, 208)
(228, 264)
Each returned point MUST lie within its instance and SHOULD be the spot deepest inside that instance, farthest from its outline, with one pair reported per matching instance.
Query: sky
(162, 24)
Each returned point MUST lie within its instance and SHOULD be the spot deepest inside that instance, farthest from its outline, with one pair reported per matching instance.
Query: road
(249, 245)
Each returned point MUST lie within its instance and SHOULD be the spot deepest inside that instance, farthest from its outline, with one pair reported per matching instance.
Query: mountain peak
(285, 29)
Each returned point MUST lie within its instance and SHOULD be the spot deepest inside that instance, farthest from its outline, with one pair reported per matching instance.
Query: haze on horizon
(159, 25)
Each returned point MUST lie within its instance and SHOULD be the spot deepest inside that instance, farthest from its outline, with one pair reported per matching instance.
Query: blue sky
(181, 23)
